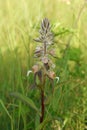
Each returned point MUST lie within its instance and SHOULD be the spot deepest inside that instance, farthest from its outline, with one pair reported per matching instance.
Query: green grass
(19, 23)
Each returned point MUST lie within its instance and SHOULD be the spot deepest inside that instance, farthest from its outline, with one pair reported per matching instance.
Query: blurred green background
(19, 24)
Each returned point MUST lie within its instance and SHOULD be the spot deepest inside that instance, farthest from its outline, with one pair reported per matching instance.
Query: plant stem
(42, 106)
(45, 49)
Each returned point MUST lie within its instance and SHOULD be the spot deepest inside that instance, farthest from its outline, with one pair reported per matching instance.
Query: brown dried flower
(51, 74)
(35, 68)
(45, 60)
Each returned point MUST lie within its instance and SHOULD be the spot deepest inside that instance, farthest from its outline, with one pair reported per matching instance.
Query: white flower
(28, 72)
(57, 79)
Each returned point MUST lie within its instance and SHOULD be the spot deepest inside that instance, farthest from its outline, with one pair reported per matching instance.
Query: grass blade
(25, 99)
(1, 102)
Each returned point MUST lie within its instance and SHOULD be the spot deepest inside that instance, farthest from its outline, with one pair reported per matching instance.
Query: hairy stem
(45, 49)
(42, 106)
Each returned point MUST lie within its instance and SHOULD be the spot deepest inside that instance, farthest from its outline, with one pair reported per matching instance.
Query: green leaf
(5, 109)
(25, 99)
(44, 123)
(74, 54)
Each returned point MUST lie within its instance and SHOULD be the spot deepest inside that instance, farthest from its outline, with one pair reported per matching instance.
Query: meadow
(66, 108)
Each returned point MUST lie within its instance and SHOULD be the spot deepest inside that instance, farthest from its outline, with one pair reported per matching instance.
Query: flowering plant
(44, 68)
